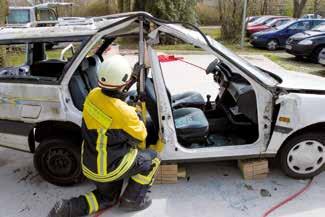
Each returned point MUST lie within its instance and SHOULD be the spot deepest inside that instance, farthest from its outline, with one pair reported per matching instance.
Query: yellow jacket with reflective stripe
(110, 128)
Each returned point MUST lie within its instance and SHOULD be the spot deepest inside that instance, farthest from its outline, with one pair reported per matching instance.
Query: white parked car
(257, 113)
(311, 16)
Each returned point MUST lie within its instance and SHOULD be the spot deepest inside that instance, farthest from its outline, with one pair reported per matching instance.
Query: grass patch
(18, 58)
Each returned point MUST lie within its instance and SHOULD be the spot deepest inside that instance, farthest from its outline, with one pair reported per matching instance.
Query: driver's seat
(187, 99)
(191, 124)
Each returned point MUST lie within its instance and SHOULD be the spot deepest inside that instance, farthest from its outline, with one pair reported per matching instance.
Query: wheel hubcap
(272, 45)
(306, 157)
(59, 162)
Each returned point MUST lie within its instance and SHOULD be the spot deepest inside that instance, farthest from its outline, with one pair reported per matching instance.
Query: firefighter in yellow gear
(112, 132)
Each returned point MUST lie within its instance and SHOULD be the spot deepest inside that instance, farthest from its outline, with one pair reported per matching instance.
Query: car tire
(303, 156)
(272, 45)
(58, 161)
(299, 58)
(316, 54)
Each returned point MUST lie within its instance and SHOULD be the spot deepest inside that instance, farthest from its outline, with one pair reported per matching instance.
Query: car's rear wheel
(272, 45)
(303, 156)
(58, 161)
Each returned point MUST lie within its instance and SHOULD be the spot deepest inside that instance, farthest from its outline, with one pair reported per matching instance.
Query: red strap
(170, 58)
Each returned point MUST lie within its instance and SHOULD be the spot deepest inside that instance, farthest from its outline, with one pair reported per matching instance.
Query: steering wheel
(221, 74)
(219, 70)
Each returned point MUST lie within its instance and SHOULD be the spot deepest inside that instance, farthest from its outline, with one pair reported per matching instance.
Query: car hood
(306, 34)
(299, 81)
(266, 32)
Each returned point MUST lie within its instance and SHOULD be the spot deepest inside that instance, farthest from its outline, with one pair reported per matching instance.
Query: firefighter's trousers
(140, 178)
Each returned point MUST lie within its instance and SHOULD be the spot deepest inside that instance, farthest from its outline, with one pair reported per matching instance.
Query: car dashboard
(236, 95)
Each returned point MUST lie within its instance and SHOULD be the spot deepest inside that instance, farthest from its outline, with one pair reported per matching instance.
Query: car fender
(297, 111)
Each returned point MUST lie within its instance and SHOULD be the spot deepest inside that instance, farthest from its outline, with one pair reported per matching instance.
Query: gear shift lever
(208, 105)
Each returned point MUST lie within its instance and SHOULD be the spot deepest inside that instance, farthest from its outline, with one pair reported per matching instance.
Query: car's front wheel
(272, 45)
(303, 156)
(58, 161)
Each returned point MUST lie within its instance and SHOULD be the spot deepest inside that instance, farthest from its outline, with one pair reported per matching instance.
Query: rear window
(45, 15)
(19, 16)
(44, 63)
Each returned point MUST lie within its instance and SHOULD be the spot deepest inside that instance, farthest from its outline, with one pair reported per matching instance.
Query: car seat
(191, 124)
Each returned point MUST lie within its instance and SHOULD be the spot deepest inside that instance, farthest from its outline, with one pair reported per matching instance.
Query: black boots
(75, 207)
(61, 209)
(131, 205)
(134, 197)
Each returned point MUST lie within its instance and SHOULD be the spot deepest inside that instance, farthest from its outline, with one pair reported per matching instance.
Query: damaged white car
(256, 113)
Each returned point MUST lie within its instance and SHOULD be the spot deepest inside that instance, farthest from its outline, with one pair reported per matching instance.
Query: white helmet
(114, 72)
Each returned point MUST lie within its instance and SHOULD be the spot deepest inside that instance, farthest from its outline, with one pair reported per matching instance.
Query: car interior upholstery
(190, 123)
(84, 80)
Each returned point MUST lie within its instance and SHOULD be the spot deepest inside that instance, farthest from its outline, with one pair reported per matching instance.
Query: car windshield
(285, 25)
(260, 20)
(319, 28)
(18, 16)
(272, 22)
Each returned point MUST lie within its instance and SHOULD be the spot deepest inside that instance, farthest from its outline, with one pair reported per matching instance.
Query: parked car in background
(311, 16)
(252, 18)
(321, 57)
(269, 24)
(263, 20)
(276, 38)
(33, 16)
(308, 44)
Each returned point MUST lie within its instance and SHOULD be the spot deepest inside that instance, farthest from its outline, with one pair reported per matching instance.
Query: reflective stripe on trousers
(92, 202)
(148, 179)
(126, 163)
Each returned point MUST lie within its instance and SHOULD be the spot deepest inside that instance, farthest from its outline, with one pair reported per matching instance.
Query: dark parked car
(307, 44)
(275, 38)
(269, 24)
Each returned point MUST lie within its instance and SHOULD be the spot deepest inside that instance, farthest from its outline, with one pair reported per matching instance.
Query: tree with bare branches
(231, 19)
(298, 7)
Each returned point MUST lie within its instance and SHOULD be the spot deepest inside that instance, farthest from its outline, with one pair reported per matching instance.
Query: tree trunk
(316, 6)
(3, 15)
(298, 7)
(265, 7)
(231, 19)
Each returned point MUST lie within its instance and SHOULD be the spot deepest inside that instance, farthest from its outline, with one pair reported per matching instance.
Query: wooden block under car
(254, 168)
(167, 174)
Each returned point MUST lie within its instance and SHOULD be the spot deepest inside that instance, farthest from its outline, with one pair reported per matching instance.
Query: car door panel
(22, 106)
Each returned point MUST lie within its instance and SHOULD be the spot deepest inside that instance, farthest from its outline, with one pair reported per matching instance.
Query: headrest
(94, 60)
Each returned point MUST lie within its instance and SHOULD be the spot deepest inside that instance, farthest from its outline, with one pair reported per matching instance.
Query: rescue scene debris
(141, 113)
